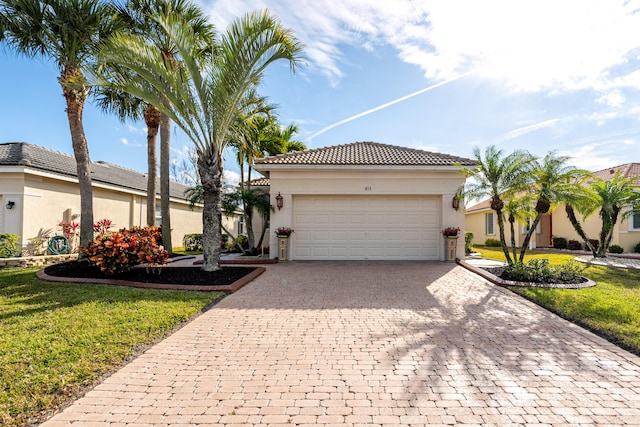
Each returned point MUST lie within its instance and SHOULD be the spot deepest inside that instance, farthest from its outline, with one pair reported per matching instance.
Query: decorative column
(451, 243)
(283, 248)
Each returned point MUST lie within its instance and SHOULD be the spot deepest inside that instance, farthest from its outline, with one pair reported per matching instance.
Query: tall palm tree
(617, 200)
(127, 107)
(499, 178)
(554, 181)
(203, 99)
(139, 14)
(517, 209)
(67, 32)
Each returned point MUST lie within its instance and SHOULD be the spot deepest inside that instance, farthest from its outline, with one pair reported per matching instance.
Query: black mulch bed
(168, 275)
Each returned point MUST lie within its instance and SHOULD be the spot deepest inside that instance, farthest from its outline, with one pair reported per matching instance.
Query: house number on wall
(367, 188)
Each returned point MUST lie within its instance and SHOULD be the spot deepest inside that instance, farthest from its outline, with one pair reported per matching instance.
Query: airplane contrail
(388, 104)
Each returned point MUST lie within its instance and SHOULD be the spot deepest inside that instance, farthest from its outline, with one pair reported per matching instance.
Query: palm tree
(139, 14)
(127, 107)
(67, 32)
(554, 181)
(518, 209)
(499, 178)
(583, 200)
(204, 98)
(615, 195)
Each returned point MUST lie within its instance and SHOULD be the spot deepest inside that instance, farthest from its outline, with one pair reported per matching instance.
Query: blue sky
(538, 75)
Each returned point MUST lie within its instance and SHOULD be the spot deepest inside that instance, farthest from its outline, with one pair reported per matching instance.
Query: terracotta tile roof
(628, 170)
(485, 204)
(365, 154)
(44, 159)
(260, 182)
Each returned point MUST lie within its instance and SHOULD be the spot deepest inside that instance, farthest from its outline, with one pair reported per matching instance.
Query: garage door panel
(366, 227)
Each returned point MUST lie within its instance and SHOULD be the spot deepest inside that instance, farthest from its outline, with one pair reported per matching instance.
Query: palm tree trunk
(165, 145)
(75, 104)
(571, 215)
(503, 241)
(152, 120)
(512, 221)
(210, 170)
(527, 238)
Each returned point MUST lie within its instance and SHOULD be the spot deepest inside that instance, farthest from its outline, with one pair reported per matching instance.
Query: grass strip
(611, 309)
(56, 339)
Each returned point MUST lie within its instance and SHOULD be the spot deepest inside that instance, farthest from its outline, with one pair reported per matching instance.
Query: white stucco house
(39, 189)
(364, 201)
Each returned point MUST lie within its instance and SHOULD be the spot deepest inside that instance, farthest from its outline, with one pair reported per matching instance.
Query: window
(240, 225)
(489, 224)
(158, 215)
(525, 228)
(635, 221)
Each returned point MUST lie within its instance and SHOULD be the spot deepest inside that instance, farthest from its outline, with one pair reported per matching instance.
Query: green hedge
(192, 242)
(9, 245)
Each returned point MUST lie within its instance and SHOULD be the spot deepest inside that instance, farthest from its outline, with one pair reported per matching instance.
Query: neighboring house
(41, 187)
(364, 201)
(481, 220)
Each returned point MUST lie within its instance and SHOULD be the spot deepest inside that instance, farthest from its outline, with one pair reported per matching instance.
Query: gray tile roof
(44, 159)
(365, 154)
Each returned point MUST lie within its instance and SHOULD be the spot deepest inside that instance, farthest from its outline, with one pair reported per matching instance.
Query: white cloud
(532, 45)
(526, 129)
(230, 177)
(614, 98)
(125, 141)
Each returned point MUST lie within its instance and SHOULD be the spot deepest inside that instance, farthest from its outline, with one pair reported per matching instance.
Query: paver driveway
(370, 343)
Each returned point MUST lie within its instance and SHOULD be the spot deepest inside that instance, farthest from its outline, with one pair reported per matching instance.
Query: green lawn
(611, 309)
(57, 338)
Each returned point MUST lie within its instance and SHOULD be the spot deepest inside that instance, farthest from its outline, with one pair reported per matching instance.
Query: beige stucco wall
(474, 222)
(592, 225)
(43, 201)
(365, 181)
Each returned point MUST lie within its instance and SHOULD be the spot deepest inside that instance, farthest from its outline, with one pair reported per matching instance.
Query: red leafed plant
(122, 250)
(102, 226)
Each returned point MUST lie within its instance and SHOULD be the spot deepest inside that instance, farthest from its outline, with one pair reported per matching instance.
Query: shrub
(9, 245)
(122, 250)
(595, 243)
(243, 241)
(560, 243)
(540, 271)
(616, 249)
(574, 245)
(492, 242)
(468, 242)
(192, 242)
(636, 249)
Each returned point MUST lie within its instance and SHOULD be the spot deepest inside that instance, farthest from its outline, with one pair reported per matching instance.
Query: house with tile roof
(482, 221)
(364, 201)
(39, 189)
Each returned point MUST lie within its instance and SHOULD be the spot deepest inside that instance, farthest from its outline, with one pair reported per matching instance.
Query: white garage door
(366, 227)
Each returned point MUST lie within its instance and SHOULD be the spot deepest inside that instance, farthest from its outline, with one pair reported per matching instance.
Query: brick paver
(370, 344)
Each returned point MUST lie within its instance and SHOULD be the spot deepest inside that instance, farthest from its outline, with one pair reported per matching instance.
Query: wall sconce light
(455, 202)
(279, 203)
(10, 204)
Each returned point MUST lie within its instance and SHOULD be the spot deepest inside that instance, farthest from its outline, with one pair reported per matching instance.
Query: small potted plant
(284, 231)
(451, 232)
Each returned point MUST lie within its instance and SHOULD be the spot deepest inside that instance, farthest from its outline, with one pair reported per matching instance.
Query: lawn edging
(505, 283)
(233, 287)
